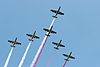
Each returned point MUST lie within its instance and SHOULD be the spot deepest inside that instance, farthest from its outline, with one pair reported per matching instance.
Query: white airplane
(68, 56)
(32, 36)
(58, 44)
(49, 31)
(14, 42)
(57, 12)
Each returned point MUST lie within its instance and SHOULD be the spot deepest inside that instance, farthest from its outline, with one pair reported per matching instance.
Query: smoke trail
(41, 47)
(24, 56)
(50, 59)
(39, 52)
(8, 58)
(64, 64)
(52, 23)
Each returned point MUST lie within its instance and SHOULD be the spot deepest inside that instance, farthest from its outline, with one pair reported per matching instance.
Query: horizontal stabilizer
(56, 48)
(47, 35)
(66, 59)
(54, 16)
(30, 39)
(12, 46)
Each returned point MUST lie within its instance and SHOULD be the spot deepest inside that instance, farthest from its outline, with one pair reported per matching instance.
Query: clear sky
(79, 29)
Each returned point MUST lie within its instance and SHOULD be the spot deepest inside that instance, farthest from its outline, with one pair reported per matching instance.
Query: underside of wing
(10, 41)
(54, 43)
(55, 11)
(53, 32)
(46, 29)
(72, 57)
(65, 55)
(29, 35)
(18, 43)
(62, 45)
(61, 13)
(37, 37)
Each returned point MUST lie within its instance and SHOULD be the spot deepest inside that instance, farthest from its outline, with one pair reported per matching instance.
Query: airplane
(68, 56)
(57, 12)
(49, 31)
(32, 36)
(58, 44)
(14, 42)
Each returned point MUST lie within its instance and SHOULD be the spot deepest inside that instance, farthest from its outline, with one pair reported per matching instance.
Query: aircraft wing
(53, 32)
(62, 45)
(54, 43)
(29, 35)
(66, 55)
(55, 11)
(49, 31)
(37, 37)
(60, 13)
(46, 29)
(72, 57)
(18, 43)
(10, 41)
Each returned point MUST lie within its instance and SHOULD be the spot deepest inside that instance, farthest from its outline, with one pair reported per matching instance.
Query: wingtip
(51, 10)
(64, 45)
(52, 42)
(63, 54)
(55, 32)
(38, 38)
(43, 28)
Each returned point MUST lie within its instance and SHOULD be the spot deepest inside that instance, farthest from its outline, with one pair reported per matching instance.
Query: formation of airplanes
(49, 31)
(57, 12)
(32, 36)
(58, 44)
(14, 42)
(68, 56)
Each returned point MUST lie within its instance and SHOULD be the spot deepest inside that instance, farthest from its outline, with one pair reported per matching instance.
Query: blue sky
(79, 27)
